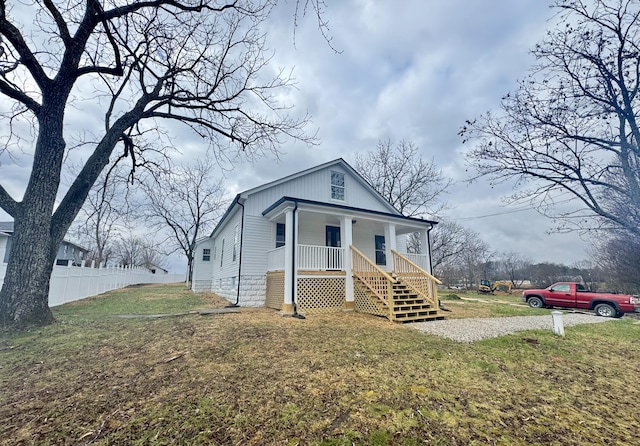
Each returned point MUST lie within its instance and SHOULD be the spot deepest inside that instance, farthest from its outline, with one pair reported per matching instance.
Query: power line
(512, 211)
(528, 208)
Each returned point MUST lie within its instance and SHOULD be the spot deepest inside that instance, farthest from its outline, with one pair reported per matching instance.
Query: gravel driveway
(470, 330)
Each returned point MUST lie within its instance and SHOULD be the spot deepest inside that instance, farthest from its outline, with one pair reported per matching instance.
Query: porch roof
(285, 202)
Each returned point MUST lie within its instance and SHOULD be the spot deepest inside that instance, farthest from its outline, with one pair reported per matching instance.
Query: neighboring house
(67, 252)
(155, 269)
(318, 240)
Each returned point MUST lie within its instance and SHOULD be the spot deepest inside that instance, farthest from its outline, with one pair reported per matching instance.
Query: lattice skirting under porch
(321, 295)
(365, 303)
(275, 290)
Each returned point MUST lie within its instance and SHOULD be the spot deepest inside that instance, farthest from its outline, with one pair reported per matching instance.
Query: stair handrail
(431, 292)
(384, 292)
(373, 265)
(418, 267)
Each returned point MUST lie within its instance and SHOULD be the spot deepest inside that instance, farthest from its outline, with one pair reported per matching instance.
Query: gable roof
(337, 162)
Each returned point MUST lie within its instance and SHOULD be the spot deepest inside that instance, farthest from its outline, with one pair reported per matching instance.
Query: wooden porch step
(409, 301)
(418, 316)
(416, 312)
(413, 307)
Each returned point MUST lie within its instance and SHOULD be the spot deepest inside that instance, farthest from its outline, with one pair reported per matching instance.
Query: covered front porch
(329, 258)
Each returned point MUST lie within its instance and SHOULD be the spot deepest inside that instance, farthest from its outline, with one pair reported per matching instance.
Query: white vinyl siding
(316, 187)
(202, 270)
(225, 267)
(401, 242)
(255, 245)
(312, 231)
(365, 243)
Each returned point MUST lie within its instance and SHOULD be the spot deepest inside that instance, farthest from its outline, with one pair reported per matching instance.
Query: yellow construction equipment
(487, 287)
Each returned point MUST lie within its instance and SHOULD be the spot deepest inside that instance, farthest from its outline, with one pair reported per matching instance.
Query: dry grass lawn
(257, 378)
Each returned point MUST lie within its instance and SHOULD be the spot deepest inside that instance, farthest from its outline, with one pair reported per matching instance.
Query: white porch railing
(275, 259)
(309, 257)
(320, 258)
(422, 260)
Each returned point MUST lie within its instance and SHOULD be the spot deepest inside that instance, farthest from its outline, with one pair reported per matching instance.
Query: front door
(333, 236)
(333, 240)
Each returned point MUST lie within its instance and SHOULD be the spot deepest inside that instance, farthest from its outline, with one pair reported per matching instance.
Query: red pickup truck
(575, 295)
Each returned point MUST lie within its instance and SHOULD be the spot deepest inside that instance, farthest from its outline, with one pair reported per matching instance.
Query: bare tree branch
(570, 131)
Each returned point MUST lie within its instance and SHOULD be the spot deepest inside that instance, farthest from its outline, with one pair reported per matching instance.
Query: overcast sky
(416, 72)
(412, 70)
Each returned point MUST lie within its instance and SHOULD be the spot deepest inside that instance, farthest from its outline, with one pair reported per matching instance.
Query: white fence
(69, 283)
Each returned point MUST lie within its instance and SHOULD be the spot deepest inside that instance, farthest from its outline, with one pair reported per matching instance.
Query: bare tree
(570, 132)
(139, 65)
(135, 250)
(184, 203)
(413, 185)
(619, 257)
(449, 240)
(450, 245)
(545, 274)
(475, 261)
(105, 214)
(515, 266)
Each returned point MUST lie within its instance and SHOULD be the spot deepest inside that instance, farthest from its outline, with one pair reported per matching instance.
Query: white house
(318, 240)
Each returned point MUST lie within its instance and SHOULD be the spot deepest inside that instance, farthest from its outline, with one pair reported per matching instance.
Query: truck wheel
(535, 302)
(605, 310)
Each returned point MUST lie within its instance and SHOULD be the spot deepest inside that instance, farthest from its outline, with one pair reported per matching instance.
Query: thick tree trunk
(24, 298)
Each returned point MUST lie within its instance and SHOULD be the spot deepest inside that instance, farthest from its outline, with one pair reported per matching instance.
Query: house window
(206, 255)
(280, 228)
(381, 256)
(221, 253)
(337, 186)
(236, 242)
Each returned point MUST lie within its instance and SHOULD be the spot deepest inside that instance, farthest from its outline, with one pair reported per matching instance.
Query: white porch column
(390, 243)
(289, 273)
(425, 248)
(347, 231)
